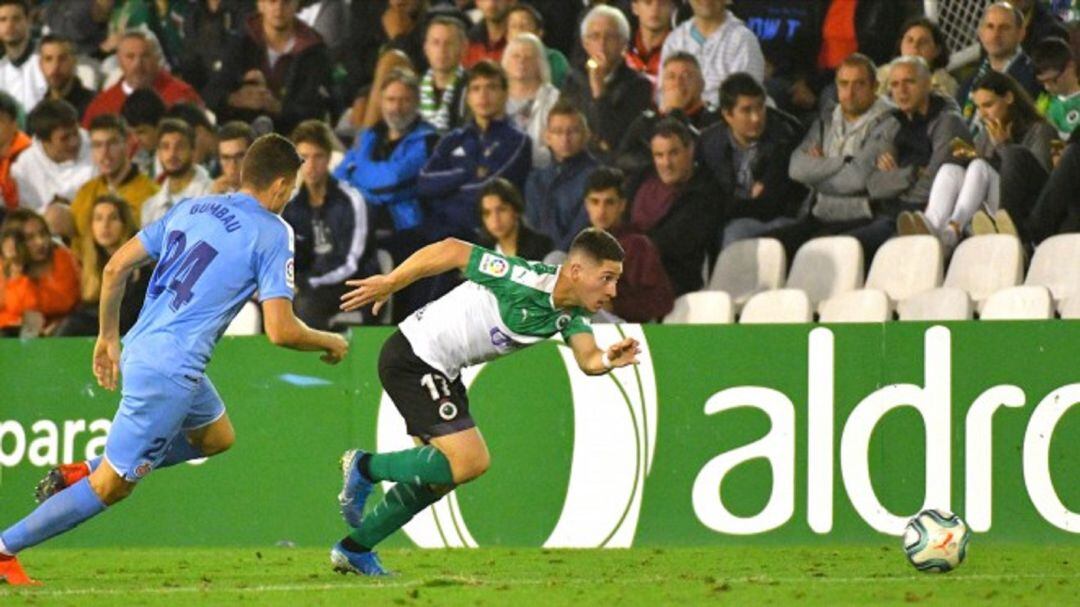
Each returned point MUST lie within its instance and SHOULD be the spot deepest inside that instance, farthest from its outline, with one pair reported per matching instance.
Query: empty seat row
(906, 277)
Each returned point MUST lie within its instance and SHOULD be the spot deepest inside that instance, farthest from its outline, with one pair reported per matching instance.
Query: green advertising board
(723, 434)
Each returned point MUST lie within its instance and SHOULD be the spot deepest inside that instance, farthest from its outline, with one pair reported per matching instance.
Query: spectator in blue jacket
(386, 161)
(467, 158)
(330, 224)
(554, 194)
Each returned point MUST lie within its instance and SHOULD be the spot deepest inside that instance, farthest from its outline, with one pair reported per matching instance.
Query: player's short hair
(175, 125)
(487, 70)
(1052, 55)
(236, 129)
(739, 84)
(191, 114)
(9, 106)
(143, 107)
(49, 115)
(315, 132)
(503, 190)
(861, 61)
(673, 128)
(270, 157)
(564, 107)
(597, 245)
(109, 122)
(606, 178)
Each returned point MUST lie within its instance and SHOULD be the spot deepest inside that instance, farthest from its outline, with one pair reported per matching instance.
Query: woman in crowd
(922, 37)
(111, 225)
(500, 208)
(17, 293)
(50, 266)
(1007, 167)
(531, 93)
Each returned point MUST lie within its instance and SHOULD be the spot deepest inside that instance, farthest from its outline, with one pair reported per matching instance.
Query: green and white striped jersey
(505, 305)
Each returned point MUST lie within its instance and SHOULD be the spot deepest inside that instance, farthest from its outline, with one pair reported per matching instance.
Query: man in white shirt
(722, 44)
(20, 72)
(183, 178)
(58, 163)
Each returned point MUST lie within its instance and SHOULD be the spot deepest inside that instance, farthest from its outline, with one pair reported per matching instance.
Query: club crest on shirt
(493, 265)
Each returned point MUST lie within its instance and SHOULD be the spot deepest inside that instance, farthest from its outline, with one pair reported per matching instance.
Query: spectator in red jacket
(12, 143)
(50, 266)
(139, 54)
(644, 291)
(487, 39)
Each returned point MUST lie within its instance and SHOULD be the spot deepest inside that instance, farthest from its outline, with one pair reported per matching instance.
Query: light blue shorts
(154, 409)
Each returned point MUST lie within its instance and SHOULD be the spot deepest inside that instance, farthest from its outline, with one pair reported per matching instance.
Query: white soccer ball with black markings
(936, 541)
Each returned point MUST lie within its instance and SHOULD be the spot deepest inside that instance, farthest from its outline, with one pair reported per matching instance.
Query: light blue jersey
(213, 253)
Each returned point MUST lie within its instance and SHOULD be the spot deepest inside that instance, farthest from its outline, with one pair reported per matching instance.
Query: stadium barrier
(723, 434)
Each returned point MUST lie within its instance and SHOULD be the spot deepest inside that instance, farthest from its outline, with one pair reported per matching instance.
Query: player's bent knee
(471, 468)
(110, 487)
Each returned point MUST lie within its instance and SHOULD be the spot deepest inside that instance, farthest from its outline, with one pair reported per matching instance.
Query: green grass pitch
(833, 575)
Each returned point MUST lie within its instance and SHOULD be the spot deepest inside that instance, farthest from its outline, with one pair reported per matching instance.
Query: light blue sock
(58, 514)
(93, 463)
(180, 451)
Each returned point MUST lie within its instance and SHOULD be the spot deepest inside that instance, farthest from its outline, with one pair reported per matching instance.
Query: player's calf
(109, 486)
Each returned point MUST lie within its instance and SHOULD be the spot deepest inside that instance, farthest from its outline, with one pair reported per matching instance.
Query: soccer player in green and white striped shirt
(506, 304)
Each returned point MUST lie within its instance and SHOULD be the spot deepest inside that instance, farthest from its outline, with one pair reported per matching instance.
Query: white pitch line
(470, 581)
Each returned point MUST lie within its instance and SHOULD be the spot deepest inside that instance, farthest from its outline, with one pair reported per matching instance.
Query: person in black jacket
(278, 68)
(208, 29)
(681, 99)
(330, 223)
(748, 154)
(675, 206)
(610, 93)
(500, 207)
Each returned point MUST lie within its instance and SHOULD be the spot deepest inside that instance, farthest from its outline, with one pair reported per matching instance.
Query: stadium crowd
(681, 126)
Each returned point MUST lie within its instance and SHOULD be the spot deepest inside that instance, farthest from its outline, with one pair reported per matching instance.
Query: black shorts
(431, 404)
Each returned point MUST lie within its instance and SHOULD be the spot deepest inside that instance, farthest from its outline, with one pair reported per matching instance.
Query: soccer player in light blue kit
(212, 254)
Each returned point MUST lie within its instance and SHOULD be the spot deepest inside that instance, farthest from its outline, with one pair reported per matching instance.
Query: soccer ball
(936, 541)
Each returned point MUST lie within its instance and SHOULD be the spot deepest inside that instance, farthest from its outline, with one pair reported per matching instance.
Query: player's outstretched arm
(445, 255)
(286, 330)
(113, 283)
(594, 361)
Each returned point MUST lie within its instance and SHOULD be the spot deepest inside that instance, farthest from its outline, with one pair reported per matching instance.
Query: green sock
(398, 507)
(424, 464)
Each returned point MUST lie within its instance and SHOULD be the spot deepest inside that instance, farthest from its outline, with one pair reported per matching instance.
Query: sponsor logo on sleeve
(290, 274)
(493, 265)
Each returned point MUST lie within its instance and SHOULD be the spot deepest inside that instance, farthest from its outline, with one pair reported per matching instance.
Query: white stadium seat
(749, 266)
(945, 303)
(863, 305)
(827, 266)
(982, 265)
(1056, 266)
(1019, 303)
(702, 308)
(779, 306)
(1070, 308)
(906, 266)
(247, 322)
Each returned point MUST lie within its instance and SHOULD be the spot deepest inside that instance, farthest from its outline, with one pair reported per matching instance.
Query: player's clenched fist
(335, 350)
